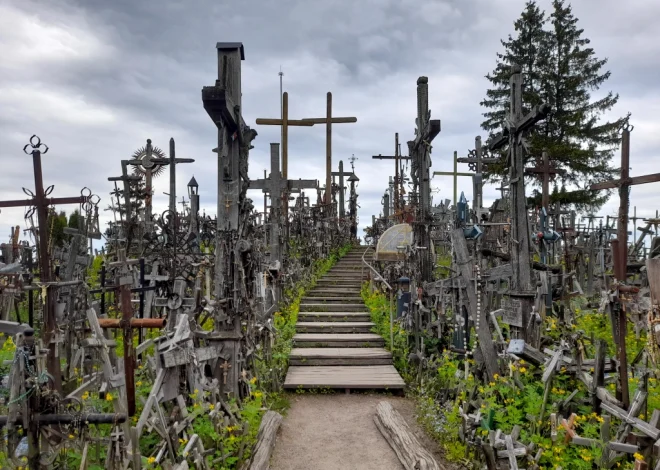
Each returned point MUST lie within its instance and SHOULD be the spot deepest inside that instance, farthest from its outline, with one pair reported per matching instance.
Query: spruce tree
(560, 69)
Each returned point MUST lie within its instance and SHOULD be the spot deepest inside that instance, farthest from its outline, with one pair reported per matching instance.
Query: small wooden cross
(547, 171)
(225, 370)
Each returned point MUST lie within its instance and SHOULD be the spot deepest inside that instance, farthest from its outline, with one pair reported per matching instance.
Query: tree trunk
(406, 446)
(260, 460)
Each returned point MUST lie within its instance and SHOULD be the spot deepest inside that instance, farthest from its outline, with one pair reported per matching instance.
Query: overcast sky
(96, 78)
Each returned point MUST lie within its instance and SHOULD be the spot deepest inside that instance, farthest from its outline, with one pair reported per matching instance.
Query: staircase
(334, 346)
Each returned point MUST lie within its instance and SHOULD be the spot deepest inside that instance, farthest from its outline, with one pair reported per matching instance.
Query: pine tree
(561, 70)
(572, 134)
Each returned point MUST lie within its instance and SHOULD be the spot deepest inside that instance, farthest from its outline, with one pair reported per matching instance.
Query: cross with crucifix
(279, 188)
(41, 202)
(124, 280)
(522, 292)
(398, 181)
(328, 120)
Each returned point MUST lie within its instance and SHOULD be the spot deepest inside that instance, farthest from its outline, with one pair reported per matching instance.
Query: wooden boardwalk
(334, 345)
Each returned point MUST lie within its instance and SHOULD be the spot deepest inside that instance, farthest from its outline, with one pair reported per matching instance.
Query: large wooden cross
(398, 181)
(328, 120)
(522, 292)
(41, 203)
(127, 323)
(341, 173)
(172, 162)
(547, 172)
(620, 247)
(279, 188)
(455, 174)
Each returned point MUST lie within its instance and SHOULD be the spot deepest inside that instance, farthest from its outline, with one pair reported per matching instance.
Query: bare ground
(337, 432)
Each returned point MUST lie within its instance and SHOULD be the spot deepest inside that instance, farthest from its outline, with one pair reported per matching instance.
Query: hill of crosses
(526, 334)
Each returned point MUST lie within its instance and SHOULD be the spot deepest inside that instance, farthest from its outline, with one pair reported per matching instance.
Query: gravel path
(337, 432)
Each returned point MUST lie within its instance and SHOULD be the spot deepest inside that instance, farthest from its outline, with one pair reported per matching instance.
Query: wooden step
(344, 377)
(338, 340)
(333, 316)
(339, 357)
(333, 292)
(319, 307)
(353, 299)
(334, 327)
(324, 282)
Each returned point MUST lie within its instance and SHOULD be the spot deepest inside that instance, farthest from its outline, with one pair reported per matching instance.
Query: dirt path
(337, 432)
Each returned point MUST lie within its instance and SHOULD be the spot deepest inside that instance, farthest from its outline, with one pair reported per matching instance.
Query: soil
(337, 432)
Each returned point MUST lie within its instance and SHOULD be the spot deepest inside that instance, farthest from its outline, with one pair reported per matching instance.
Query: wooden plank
(337, 337)
(334, 327)
(339, 357)
(333, 316)
(344, 377)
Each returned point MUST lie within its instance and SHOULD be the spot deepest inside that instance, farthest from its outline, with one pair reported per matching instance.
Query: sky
(95, 79)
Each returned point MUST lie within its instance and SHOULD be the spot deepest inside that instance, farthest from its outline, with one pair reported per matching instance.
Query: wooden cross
(397, 157)
(516, 126)
(341, 173)
(476, 164)
(547, 171)
(328, 120)
(172, 161)
(620, 249)
(126, 179)
(128, 323)
(41, 202)
(278, 187)
(285, 123)
(149, 164)
(455, 174)
(176, 301)
(225, 370)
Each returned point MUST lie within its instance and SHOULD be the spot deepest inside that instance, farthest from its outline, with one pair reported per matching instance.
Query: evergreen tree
(56, 223)
(561, 70)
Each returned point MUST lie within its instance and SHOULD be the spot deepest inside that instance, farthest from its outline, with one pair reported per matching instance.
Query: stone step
(325, 283)
(344, 377)
(339, 357)
(346, 307)
(334, 327)
(333, 316)
(338, 340)
(353, 299)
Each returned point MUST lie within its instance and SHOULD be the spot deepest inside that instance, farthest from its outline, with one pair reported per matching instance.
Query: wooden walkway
(334, 345)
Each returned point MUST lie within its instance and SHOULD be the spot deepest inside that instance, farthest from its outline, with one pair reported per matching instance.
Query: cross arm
(450, 173)
(653, 178)
(52, 201)
(537, 114)
(474, 160)
(289, 122)
(428, 134)
(258, 184)
(125, 178)
(390, 157)
(302, 184)
(334, 120)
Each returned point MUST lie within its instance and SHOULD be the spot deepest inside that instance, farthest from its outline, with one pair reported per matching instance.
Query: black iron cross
(40, 202)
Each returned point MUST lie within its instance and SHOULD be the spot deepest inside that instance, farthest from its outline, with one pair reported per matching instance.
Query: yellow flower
(638, 456)
(151, 460)
(108, 396)
(138, 383)
(253, 380)
(71, 436)
(491, 384)
(496, 376)
(523, 370)
(85, 396)
(211, 407)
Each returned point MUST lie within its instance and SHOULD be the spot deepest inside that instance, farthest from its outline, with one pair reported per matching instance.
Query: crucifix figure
(148, 164)
(328, 120)
(521, 293)
(41, 203)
